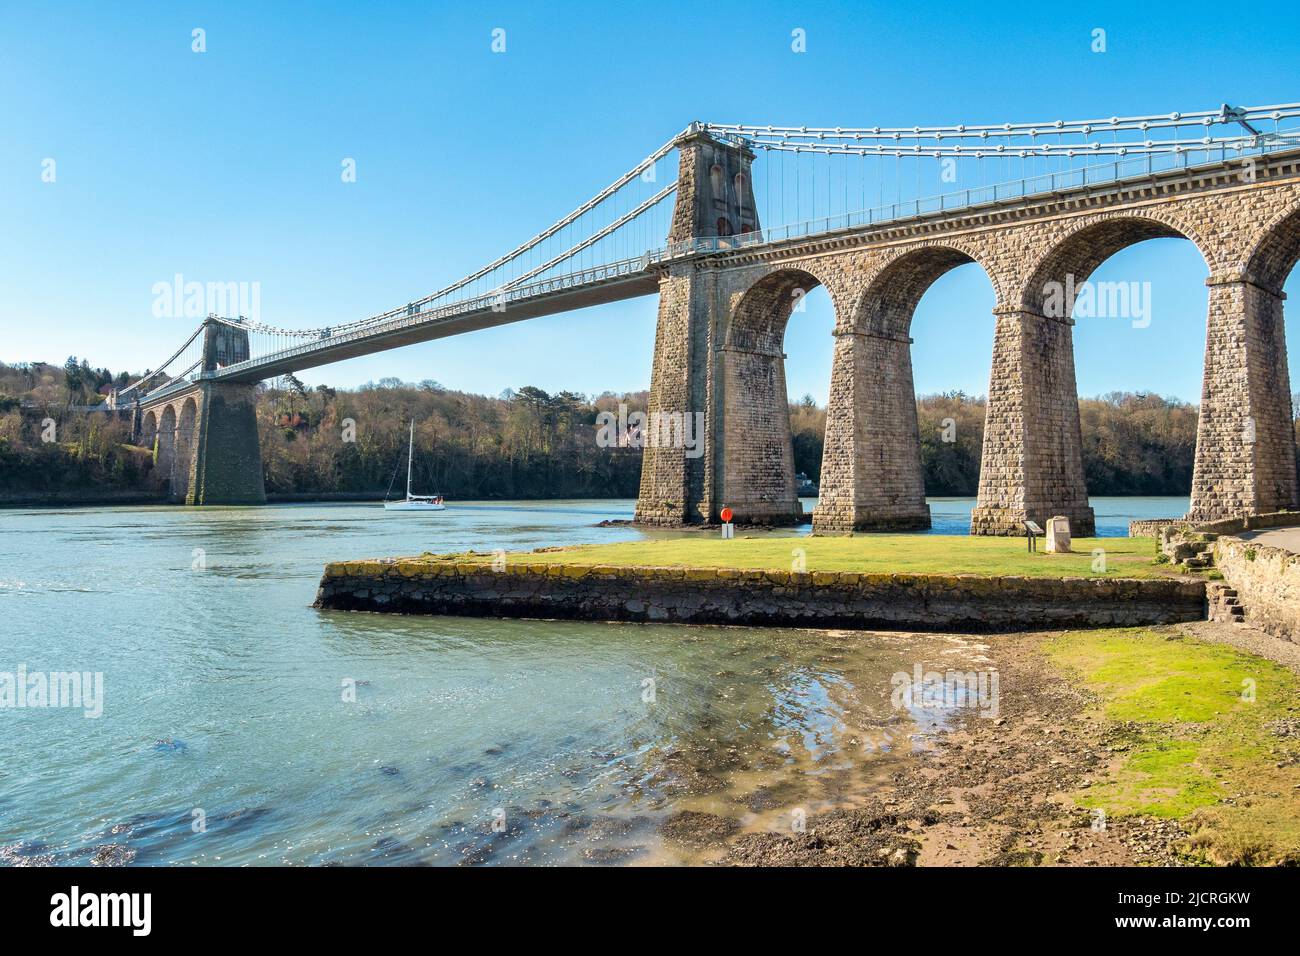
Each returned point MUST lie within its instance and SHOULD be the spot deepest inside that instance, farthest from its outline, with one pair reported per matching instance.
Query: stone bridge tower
(227, 459)
(223, 345)
(206, 437)
(715, 200)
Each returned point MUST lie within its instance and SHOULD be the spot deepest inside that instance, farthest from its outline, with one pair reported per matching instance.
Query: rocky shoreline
(988, 793)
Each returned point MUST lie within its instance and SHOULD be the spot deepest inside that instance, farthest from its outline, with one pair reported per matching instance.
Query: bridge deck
(483, 313)
(632, 278)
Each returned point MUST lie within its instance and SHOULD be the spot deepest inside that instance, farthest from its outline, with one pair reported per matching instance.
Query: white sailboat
(414, 502)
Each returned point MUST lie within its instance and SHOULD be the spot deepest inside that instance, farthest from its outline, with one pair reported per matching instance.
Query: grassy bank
(1197, 732)
(876, 553)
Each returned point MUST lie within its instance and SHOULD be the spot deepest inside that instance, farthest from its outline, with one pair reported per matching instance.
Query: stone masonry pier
(205, 437)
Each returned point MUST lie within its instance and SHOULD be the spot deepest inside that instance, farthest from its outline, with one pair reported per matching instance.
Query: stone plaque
(1058, 534)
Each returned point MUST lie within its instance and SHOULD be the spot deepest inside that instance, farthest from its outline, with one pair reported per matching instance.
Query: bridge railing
(30, 406)
(171, 388)
(1120, 171)
(498, 300)
(418, 314)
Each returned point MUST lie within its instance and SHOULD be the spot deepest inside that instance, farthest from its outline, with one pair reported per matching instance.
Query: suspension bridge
(731, 223)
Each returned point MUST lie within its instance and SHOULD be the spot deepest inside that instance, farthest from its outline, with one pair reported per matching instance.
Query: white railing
(1047, 184)
(498, 300)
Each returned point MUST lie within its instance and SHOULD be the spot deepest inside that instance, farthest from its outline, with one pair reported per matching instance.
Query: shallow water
(952, 515)
(298, 736)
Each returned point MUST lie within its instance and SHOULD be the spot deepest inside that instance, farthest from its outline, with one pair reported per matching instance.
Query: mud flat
(1115, 747)
(480, 587)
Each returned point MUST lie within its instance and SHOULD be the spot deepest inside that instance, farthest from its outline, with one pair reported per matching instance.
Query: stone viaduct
(722, 321)
(724, 305)
(205, 436)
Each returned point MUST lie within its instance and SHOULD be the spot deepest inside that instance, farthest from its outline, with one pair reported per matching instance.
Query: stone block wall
(872, 479)
(1032, 463)
(207, 440)
(714, 188)
(227, 458)
(757, 450)
(1267, 582)
(754, 598)
(836, 510)
(667, 474)
(1245, 445)
(1152, 527)
(223, 345)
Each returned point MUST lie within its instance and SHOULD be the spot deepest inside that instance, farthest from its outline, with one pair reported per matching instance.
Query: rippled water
(468, 740)
(952, 515)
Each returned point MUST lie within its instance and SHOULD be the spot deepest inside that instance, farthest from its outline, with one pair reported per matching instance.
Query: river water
(240, 726)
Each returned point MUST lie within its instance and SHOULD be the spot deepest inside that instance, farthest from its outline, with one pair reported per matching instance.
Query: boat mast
(410, 455)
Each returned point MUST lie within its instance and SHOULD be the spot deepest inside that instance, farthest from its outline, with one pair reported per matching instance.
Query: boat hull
(413, 506)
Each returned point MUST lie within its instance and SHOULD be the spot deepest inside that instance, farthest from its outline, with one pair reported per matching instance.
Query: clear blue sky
(225, 165)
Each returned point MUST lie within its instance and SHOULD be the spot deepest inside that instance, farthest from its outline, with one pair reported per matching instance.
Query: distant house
(805, 486)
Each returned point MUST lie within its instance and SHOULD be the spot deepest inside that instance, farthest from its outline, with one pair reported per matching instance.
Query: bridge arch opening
(1134, 289)
(1272, 263)
(166, 451)
(1057, 286)
(149, 429)
(884, 439)
(952, 332)
(718, 182)
(756, 453)
(185, 436)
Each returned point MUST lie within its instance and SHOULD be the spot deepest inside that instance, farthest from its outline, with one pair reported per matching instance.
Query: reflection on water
(242, 727)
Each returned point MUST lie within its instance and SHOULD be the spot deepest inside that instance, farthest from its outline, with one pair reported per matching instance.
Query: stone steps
(1224, 604)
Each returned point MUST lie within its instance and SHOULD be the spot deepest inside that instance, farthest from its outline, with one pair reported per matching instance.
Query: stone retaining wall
(1271, 519)
(755, 598)
(1151, 527)
(1267, 582)
(1179, 538)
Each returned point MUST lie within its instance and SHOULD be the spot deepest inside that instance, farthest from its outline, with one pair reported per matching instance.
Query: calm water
(224, 699)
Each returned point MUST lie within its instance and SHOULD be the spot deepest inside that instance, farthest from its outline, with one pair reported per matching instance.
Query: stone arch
(762, 311)
(718, 182)
(1052, 290)
(1245, 439)
(166, 453)
(1075, 255)
(1275, 251)
(894, 289)
(186, 430)
(149, 429)
(1244, 458)
(872, 476)
(1031, 466)
(755, 454)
